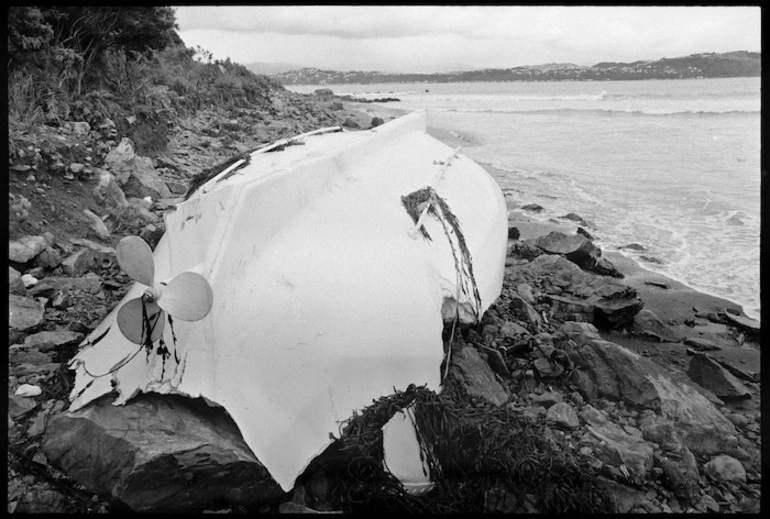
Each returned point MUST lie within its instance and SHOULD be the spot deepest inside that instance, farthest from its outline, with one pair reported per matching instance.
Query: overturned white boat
(303, 281)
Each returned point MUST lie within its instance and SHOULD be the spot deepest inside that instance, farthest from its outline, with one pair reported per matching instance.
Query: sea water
(671, 165)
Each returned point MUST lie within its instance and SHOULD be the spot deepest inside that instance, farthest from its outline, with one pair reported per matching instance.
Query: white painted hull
(323, 301)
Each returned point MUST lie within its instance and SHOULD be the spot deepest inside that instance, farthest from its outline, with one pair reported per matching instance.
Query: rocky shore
(652, 389)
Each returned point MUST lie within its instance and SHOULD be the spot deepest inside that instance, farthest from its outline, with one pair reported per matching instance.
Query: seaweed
(473, 450)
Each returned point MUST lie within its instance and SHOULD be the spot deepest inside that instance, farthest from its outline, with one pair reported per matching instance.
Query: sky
(443, 38)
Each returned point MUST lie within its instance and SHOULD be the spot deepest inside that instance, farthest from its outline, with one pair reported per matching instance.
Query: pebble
(28, 390)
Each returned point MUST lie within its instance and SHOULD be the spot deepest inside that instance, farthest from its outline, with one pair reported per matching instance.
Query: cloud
(413, 37)
(347, 22)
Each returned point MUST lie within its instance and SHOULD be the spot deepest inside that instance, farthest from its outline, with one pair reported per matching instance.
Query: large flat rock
(158, 453)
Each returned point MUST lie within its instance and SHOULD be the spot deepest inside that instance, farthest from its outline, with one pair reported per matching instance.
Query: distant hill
(268, 69)
(706, 65)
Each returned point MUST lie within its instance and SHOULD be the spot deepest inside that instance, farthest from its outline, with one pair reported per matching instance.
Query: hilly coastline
(705, 65)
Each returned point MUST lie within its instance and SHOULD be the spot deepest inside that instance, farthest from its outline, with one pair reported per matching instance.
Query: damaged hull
(326, 295)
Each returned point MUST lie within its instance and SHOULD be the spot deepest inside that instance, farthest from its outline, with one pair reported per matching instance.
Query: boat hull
(325, 297)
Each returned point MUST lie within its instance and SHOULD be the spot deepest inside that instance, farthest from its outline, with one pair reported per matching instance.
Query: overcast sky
(435, 38)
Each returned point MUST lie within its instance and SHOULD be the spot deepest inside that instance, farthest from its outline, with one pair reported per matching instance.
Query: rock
(38, 425)
(525, 311)
(571, 309)
(525, 292)
(158, 453)
(662, 431)
(750, 326)
(144, 181)
(681, 477)
(49, 259)
(548, 399)
(18, 206)
(513, 233)
(350, 123)
(615, 373)
(647, 322)
(703, 429)
(613, 446)
(28, 390)
(710, 374)
(80, 127)
(563, 416)
(376, 121)
(26, 248)
(29, 280)
(535, 208)
(15, 284)
(510, 329)
(615, 303)
(575, 218)
(20, 405)
(701, 344)
(605, 369)
(97, 225)
(724, 468)
(107, 191)
(622, 498)
(103, 249)
(24, 313)
(121, 154)
(52, 340)
(90, 283)
(83, 261)
(579, 250)
(20, 355)
(585, 233)
(476, 376)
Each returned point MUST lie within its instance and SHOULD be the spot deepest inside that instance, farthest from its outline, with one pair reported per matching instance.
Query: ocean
(671, 165)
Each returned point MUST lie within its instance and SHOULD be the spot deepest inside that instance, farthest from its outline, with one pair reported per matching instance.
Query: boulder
(513, 233)
(476, 376)
(26, 248)
(24, 313)
(83, 261)
(135, 173)
(158, 453)
(710, 374)
(605, 369)
(724, 468)
(579, 250)
(145, 181)
(614, 303)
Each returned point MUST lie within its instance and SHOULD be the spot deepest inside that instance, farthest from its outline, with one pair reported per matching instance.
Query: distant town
(706, 65)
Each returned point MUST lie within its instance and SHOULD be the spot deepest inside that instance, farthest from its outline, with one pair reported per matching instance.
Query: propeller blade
(131, 321)
(187, 297)
(135, 258)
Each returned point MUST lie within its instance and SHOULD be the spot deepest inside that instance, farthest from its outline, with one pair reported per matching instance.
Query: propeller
(187, 297)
